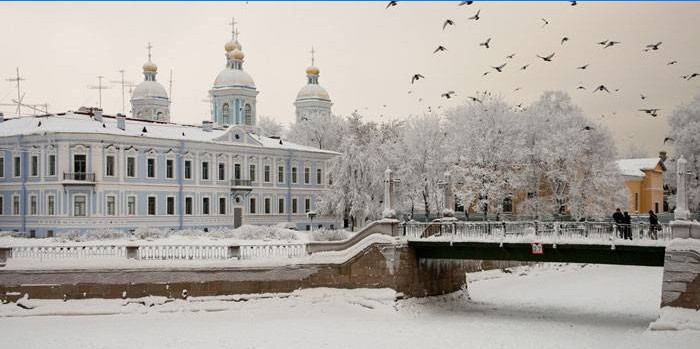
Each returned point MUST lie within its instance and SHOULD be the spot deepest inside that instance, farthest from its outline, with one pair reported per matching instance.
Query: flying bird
(587, 128)
(484, 74)
(603, 43)
(474, 99)
(417, 77)
(510, 56)
(669, 139)
(486, 43)
(672, 63)
(462, 3)
(573, 3)
(547, 58)
(653, 112)
(601, 88)
(524, 67)
(583, 67)
(564, 39)
(643, 96)
(693, 75)
(440, 48)
(448, 94)
(447, 22)
(611, 44)
(476, 16)
(545, 22)
(652, 47)
(499, 68)
(581, 88)
(517, 89)
(392, 3)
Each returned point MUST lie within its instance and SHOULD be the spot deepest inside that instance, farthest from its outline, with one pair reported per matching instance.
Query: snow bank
(684, 245)
(673, 319)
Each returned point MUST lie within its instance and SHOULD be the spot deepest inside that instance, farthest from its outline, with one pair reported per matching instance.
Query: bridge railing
(606, 231)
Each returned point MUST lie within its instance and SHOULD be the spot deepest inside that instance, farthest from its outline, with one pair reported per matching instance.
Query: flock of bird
(546, 58)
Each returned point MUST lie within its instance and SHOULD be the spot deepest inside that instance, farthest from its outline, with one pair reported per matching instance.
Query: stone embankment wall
(681, 280)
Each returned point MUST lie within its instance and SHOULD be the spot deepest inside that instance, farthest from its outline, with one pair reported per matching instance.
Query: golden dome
(312, 70)
(236, 54)
(232, 45)
(150, 67)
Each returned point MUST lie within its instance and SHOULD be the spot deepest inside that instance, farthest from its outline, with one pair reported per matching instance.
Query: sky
(366, 53)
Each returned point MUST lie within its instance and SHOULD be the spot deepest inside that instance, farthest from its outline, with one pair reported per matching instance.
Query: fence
(67, 252)
(547, 230)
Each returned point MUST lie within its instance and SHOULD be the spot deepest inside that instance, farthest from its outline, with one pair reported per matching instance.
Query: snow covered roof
(77, 122)
(636, 167)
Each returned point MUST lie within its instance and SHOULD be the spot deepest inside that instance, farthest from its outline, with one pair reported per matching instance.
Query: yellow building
(644, 179)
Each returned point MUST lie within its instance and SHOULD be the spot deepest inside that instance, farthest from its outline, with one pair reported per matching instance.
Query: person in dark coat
(617, 217)
(653, 225)
(627, 225)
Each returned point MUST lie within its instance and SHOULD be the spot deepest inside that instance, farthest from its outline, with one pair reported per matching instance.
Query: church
(85, 170)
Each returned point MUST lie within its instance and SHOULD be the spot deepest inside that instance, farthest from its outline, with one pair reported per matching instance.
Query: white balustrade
(67, 252)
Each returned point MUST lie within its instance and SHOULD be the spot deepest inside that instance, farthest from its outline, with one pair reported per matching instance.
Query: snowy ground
(542, 307)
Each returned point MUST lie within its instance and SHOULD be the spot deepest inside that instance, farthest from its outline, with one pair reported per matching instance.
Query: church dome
(233, 77)
(312, 70)
(150, 67)
(236, 54)
(313, 91)
(149, 90)
(232, 45)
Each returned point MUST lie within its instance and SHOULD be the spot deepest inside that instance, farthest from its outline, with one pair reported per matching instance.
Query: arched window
(508, 205)
(226, 113)
(248, 115)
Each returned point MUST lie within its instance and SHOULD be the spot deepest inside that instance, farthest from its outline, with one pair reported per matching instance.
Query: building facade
(644, 180)
(80, 171)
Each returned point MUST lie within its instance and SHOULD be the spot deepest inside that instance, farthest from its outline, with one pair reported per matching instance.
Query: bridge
(533, 241)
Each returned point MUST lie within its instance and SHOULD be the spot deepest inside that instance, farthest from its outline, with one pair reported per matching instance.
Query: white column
(388, 199)
(681, 212)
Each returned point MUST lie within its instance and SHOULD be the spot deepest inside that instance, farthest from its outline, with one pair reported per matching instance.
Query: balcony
(241, 186)
(78, 178)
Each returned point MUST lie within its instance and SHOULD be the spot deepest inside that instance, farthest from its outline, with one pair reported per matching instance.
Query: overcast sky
(366, 53)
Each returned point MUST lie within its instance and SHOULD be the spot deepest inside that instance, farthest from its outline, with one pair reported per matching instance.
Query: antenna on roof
(99, 89)
(170, 86)
(124, 84)
(20, 96)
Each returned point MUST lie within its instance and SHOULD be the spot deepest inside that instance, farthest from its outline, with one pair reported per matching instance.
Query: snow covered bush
(328, 235)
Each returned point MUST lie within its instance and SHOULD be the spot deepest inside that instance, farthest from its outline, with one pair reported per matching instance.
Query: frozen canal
(552, 306)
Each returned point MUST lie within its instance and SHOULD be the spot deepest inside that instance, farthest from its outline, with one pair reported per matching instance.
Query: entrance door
(79, 166)
(237, 217)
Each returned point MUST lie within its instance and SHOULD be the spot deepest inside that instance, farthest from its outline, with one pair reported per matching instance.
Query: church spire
(150, 69)
(312, 72)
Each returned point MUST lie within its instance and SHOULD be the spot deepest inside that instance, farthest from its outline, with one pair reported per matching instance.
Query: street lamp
(312, 215)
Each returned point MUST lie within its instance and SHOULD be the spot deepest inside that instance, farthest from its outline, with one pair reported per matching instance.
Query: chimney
(662, 156)
(121, 122)
(2, 117)
(98, 115)
(207, 126)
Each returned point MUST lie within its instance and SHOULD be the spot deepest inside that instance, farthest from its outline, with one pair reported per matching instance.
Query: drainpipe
(289, 185)
(24, 167)
(180, 183)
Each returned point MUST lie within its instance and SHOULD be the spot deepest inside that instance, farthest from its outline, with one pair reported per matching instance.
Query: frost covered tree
(685, 132)
(268, 127)
(323, 131)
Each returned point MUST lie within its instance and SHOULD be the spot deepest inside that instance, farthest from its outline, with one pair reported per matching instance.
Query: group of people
(623, 222)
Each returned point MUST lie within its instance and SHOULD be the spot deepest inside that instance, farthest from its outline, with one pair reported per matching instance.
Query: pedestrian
(617, 217)
(627, 225)
(653, 225)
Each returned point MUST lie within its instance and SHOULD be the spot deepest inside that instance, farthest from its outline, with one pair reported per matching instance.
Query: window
(295, 206)
(280, 174)
(151, 205)
(131, 166)
(131, 205)
(237, 171)
(188, 169)
(267, 205)
(251, 169)
(151, 168)
(188, 205)
(34, 170)
(49, 233)
(170, 205)
(109, 166)
(17, 170)
(636, 202)
(205, 205)
(656, 207)
(169, 170)
(508, 205)
(252, 205)
(248, 115)
(307, 205)
(79, 206)
(307, 175)
(50, 205)
(111, 205)
(319, 176)
(205, 170)
(2, 205)
(2, 167)
(15, 205)
(51, 170)
(222, 171)
(226, 113)
(280, 205)
(294, 174)
(267, 173)
(32, 205)
(222, 205)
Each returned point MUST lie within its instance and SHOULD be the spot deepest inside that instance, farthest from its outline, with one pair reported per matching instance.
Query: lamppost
(448, 212)
(312, 215)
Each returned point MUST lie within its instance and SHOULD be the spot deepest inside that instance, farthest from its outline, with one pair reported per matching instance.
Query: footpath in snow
(550, 306)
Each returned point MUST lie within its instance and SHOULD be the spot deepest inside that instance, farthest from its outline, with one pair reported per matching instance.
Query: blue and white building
(85, 170)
